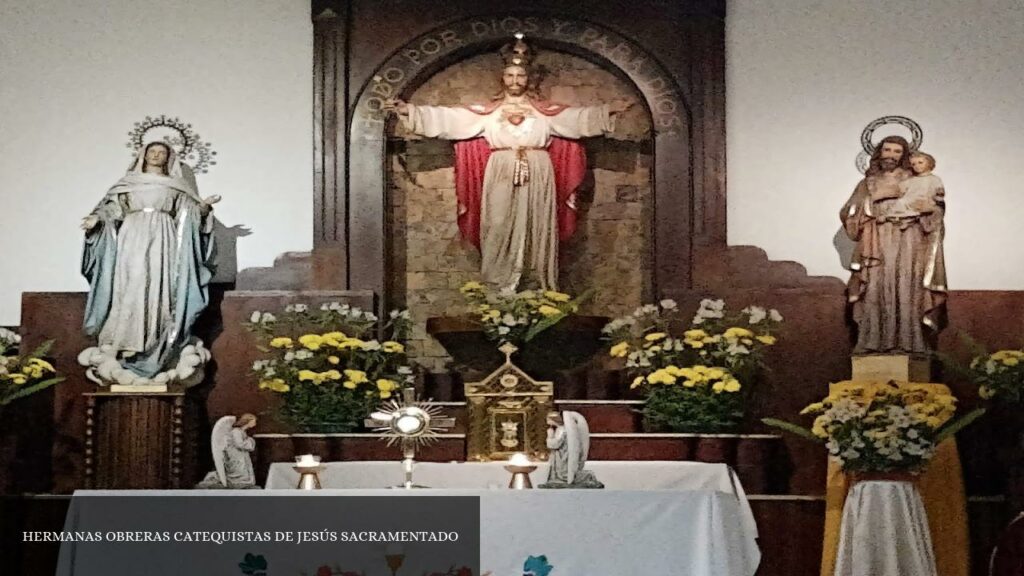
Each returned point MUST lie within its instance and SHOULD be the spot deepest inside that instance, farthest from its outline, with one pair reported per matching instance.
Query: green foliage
(22, 376)
(326, 366)
(697, 409)
(518, 317)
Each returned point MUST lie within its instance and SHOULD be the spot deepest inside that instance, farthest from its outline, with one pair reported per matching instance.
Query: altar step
(755, 457)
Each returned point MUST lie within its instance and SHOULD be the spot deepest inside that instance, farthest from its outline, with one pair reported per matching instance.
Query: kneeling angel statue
(569, 442)
(231, 447)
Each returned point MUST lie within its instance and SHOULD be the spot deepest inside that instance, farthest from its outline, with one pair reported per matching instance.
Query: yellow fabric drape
(942, 490)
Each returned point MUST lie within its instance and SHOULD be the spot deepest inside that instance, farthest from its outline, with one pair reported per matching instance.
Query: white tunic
(518, 223)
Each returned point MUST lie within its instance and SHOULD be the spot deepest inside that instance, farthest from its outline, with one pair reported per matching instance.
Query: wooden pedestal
(885, 367)
(139, 441)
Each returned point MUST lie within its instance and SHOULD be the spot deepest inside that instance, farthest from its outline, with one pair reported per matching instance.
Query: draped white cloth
(580, 532)
(884, 532)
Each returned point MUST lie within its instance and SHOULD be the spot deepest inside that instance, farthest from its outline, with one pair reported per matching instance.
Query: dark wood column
(330, 146)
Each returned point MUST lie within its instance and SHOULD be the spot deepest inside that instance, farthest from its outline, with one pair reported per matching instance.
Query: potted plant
(542, 324)
(697, 379)
(20, 376)
(890, 430)
(326, 365)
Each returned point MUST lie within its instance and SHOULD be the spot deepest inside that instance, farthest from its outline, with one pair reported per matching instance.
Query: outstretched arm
(447, 123)
(584, 121)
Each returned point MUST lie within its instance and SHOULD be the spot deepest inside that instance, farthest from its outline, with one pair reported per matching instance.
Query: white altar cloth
(581, 532)
(616, 475)
(884, 532)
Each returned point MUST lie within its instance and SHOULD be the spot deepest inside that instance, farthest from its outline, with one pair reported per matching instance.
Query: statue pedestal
(139, 440)
(885, 367)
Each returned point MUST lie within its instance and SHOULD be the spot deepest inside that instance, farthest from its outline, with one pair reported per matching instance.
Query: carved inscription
(666, 107)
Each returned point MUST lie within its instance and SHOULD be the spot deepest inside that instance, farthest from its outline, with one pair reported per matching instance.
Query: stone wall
(611, 251)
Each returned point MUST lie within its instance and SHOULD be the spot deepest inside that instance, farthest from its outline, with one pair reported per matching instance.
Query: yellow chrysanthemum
(333, 360)
(332, 375)
(695, 334)
(557, 296)
(311, 341)
(620, 350)
(655, 336)
(350, 343)
(472, 286)
(349, 384)
(549, 311)
(661, 377)
(385, 385)
(18, 379)
(732, 385)
(718, 387)
(694, 343)
(281, 342)
(637, 382)
(737, 333)
(41, 364)
(715, 374)
(393, 347)
(357, 376)
(767, 340)
(276, 385)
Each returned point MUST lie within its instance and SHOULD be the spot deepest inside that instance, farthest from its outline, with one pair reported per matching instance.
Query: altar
(672, 517)
(579, 532)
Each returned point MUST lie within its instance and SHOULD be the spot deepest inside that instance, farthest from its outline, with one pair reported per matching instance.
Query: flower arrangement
(694, 380)
(21, 376)
(326, 365)
(882, 428)
(518, 317)
(999, 375)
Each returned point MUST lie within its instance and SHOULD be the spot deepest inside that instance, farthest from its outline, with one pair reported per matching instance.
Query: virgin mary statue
(147, 257)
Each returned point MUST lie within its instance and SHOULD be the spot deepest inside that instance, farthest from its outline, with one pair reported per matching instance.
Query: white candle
(307, 460)
(519, 459)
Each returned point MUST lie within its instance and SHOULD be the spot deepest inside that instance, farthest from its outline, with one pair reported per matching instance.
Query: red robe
(568, 159)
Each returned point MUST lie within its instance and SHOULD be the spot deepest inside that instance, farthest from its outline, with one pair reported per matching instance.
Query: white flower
(267, 317)
(269, 373)
(774, 315)
(405, 370)
(259, 365)
(301, 308)
(371, 345)
(355, 312)
(289, 356)
(325, 306)
(503, 330)
(255, 317)
(370, 316)
(756, 313)
(509, 320)
(289, 308)
(698, 319)
(303, 354)
(737, 349)
(668, 304)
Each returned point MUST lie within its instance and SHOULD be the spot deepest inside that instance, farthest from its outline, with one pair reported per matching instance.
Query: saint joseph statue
(517, 168)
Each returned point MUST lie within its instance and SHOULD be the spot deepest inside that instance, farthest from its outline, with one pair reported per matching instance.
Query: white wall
(75, 75)
(805, 77)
